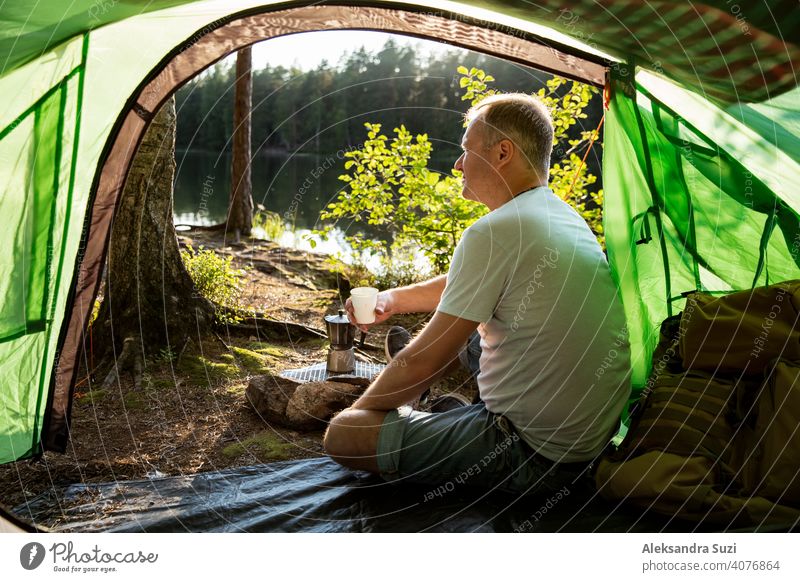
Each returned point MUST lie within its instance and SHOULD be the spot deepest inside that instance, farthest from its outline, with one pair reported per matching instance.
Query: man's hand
(418, 298)
(384, 309)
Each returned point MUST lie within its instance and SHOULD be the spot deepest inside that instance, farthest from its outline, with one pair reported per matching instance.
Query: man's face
(478, 173)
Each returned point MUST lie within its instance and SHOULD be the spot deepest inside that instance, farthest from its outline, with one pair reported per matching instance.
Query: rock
(302, 406)
(314, 403)
(269, 395)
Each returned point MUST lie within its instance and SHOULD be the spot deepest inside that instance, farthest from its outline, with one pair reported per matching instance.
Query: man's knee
(338, 439)
(352, 438)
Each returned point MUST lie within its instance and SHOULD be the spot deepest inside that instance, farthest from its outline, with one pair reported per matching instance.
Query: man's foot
(397, 338)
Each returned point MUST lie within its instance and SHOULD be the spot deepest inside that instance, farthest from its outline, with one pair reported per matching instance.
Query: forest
(324, 110)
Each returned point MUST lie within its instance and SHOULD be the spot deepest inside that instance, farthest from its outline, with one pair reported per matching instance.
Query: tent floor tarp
(317, 495)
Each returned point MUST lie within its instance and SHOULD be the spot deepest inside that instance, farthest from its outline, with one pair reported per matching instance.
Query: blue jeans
(470, 356)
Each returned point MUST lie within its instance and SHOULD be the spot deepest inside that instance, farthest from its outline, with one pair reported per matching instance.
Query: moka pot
(341, 334)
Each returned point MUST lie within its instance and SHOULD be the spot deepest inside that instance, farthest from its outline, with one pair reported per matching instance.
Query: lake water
(297, 187)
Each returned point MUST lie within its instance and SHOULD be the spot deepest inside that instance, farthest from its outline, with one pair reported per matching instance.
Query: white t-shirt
(555, 358)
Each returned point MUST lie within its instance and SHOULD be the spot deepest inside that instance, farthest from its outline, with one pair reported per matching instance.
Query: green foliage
(569, 176)
(391, 187)
(474, 84)
(95, 310)
(271, 223)
(166, 355)
(216, 280)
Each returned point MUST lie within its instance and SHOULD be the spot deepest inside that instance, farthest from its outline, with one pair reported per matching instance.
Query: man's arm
(419, 364)
(418, 298)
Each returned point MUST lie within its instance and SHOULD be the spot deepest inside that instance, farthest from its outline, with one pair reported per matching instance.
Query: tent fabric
(684, 214)
(79, 87)
(38, 152)
(725, 52)
(317, 495)
(763, 137)
(729, 54)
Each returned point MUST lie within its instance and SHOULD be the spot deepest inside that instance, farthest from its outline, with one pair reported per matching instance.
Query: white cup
(364, 300)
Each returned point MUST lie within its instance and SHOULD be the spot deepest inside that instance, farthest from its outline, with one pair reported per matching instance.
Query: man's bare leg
(352, 438)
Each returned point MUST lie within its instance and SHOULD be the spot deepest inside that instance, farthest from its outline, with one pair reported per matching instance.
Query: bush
(391, 186)
(216, 280)
(395, 270)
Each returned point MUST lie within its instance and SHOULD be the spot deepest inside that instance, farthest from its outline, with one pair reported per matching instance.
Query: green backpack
(716, 443)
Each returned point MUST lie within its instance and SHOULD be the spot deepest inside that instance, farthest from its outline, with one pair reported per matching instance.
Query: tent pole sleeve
(658, 204)
(59, 400)
(692, 234)
(769, 226)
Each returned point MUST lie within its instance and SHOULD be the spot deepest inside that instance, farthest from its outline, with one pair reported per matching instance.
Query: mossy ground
(256, 362)
(265, 446)
(91, 397)
(273, 350)
(202, 370)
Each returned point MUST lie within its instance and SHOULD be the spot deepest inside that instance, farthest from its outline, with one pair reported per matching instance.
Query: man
(554, 359)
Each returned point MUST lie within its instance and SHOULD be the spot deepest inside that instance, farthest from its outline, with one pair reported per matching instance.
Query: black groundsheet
(317, 495)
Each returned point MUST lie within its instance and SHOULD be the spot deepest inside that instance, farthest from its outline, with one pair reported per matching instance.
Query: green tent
(701, 164)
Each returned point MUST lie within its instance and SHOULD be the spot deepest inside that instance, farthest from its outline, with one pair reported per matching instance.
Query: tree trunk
(149, 302)
(240, 214)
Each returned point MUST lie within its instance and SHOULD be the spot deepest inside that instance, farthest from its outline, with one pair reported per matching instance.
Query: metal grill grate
(319, 372)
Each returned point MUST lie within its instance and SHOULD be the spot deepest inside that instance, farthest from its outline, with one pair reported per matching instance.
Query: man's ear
(505, 151)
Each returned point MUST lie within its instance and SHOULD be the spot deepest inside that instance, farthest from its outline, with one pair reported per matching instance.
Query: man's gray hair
(523, 119)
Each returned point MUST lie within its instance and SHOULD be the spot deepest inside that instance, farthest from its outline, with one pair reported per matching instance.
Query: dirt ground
(191, 414)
